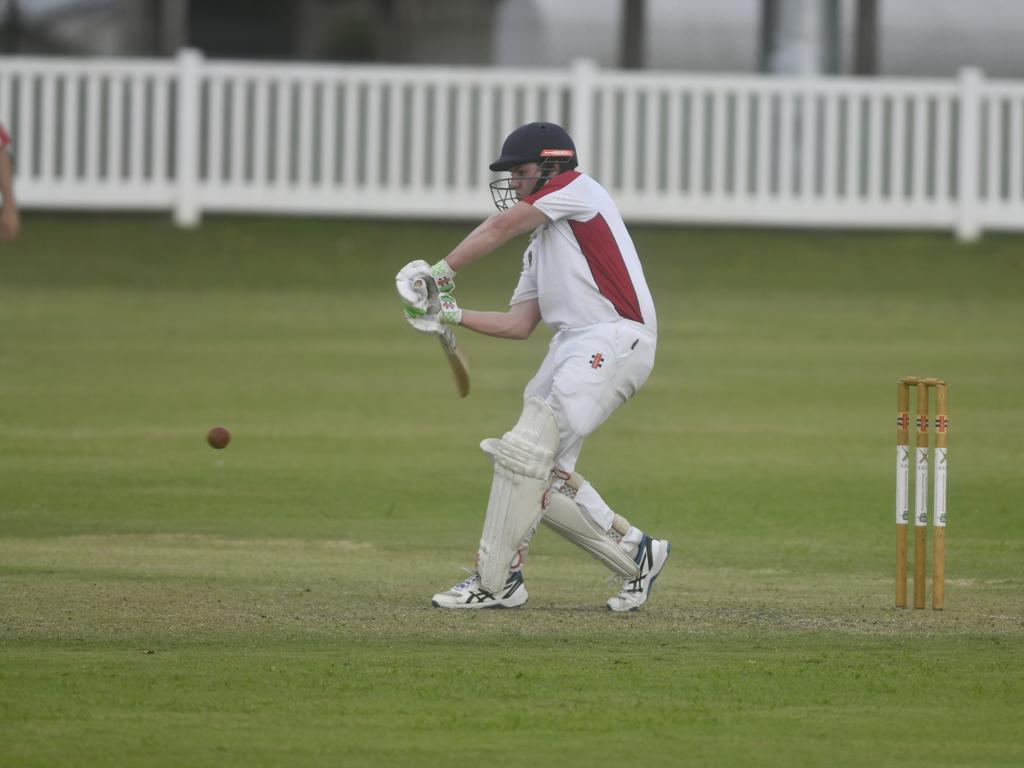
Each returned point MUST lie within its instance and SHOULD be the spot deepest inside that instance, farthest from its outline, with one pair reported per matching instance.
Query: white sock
(631, 541)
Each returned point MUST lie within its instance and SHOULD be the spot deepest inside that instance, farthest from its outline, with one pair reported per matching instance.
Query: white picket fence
(194, 135)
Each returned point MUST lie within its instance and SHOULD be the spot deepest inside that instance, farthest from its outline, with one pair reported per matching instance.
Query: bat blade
(457, 361)
(456, 358)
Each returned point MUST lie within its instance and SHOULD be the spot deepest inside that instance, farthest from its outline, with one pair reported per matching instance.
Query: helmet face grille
(505, 196)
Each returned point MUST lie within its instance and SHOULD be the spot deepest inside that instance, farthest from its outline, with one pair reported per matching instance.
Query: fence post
(186, 154)
(581, 118)
(968, 224)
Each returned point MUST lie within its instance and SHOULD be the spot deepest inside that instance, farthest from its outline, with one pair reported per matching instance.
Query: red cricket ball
(218, 437)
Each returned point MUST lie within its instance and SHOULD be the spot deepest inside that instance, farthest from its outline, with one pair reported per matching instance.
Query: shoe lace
(466, 582)
(626, 586)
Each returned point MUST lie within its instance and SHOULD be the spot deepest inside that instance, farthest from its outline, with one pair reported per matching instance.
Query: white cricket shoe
(469, 594)
(651, 557)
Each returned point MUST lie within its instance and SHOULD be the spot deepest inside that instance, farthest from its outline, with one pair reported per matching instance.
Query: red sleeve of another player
(5, 137)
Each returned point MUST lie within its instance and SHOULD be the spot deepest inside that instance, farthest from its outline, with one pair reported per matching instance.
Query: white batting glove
(444, 277)
(449, 312)
(441, 311)
(429, 324)
(428, 307)
(424, 320)
(413, 301)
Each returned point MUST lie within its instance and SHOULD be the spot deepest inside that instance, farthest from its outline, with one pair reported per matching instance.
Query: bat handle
(448, 339)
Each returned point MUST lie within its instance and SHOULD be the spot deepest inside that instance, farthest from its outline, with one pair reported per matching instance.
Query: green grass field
(165, 604)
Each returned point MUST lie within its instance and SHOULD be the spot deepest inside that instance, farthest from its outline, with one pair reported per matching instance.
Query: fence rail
(194, 135)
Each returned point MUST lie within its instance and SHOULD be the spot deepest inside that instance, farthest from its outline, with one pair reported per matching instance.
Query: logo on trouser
(596, 360)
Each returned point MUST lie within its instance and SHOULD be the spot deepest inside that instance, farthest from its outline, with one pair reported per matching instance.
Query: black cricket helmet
(545, 143)
(535, 143)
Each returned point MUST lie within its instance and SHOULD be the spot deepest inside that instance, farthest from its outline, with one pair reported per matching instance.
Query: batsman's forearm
(485, 238)
(500, 324)
(495, 232)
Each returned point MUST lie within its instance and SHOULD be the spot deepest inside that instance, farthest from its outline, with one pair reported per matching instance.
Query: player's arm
(9, 219)
(494, 233)
(491, 234)
(518, 323)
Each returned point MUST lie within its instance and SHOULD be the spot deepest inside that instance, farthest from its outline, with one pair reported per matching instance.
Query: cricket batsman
(581, 275)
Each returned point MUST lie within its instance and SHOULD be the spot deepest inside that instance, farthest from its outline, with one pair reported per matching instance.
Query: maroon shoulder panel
(554, 184)
(607, 265)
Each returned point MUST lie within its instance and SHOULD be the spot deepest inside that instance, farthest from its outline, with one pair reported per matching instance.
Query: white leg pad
(565, 517)
(523, 460)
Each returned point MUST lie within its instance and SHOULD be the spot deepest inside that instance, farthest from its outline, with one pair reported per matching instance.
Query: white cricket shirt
(582, 266)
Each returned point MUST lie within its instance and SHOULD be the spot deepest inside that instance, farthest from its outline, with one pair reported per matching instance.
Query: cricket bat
(456, 357)
(457, 360)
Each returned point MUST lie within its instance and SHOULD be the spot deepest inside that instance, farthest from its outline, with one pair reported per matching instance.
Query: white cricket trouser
(587, 374)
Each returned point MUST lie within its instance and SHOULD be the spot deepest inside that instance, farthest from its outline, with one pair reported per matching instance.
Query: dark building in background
(899, 38)
(244, 29)
(427, 31)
